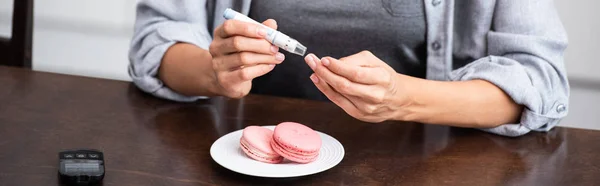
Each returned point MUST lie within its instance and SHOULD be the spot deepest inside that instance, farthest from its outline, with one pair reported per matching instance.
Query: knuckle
(230, 93)
(232, 90)
(212, 49)
(228, 27)
(271, 23)
(377, 99)
(237, 94)
(369, 109)
(245, 74)
(366, 53)
(343, 86)
(244, 58)
(240, 95)
(237, 43)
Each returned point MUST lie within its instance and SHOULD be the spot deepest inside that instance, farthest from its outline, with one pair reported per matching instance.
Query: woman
(494, 65)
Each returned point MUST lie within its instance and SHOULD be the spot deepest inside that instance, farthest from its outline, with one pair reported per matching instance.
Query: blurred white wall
(88, 38)
(580, 19)
(5, 17)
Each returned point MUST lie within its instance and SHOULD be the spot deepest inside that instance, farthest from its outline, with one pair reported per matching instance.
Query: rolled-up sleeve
(525, 59)
(160, 24)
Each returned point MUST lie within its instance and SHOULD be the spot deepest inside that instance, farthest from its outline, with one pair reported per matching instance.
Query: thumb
(271, 23)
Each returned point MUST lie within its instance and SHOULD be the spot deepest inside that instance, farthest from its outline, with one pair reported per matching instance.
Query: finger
(335, 97)
(248, 73)
(271, 23)
(237, 60)
(245, 44)
(240, 28)
(355, 73)
(348, 103)
(311, 60)
(358, 59)
(347, 87)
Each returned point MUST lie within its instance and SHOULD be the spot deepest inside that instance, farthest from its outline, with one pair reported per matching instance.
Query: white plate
(226, 152)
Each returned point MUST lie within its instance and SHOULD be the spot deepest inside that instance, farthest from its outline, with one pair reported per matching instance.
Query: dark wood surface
(149, 141)
(16, 50)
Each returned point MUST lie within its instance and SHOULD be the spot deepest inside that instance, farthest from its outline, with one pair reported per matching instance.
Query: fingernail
(274, 49)
(325, 61)
(262, 32)
(311, 63)
(279, 56)
(316, 60)
(271, 66)
(314, 78)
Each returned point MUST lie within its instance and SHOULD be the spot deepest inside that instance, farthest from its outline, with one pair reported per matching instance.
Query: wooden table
(148, 141)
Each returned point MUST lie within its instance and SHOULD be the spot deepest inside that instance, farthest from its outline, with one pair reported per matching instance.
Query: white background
(91, 38)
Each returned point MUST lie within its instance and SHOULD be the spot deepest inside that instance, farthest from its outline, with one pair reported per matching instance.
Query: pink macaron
(296, 142)
(256, 143)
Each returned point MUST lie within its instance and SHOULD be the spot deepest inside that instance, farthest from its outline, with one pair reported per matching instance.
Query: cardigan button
(436, 45)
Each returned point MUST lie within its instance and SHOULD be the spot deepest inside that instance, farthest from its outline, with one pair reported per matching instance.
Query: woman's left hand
(362, 85)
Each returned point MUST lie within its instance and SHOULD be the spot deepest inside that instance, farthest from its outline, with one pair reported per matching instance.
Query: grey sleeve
(159, 24)
(525, 48)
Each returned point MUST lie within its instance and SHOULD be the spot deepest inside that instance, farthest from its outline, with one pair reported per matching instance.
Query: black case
(81, 167)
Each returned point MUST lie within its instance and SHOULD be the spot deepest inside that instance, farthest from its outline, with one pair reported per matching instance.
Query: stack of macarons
(289, 140)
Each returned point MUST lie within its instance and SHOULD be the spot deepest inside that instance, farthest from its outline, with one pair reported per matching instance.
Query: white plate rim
(213, 151)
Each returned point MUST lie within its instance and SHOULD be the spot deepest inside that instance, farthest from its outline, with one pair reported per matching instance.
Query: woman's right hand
(239, 54)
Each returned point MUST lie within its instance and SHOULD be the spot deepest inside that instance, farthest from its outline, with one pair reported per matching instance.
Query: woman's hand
(361, 84)
(370, 90)
(239, 54)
